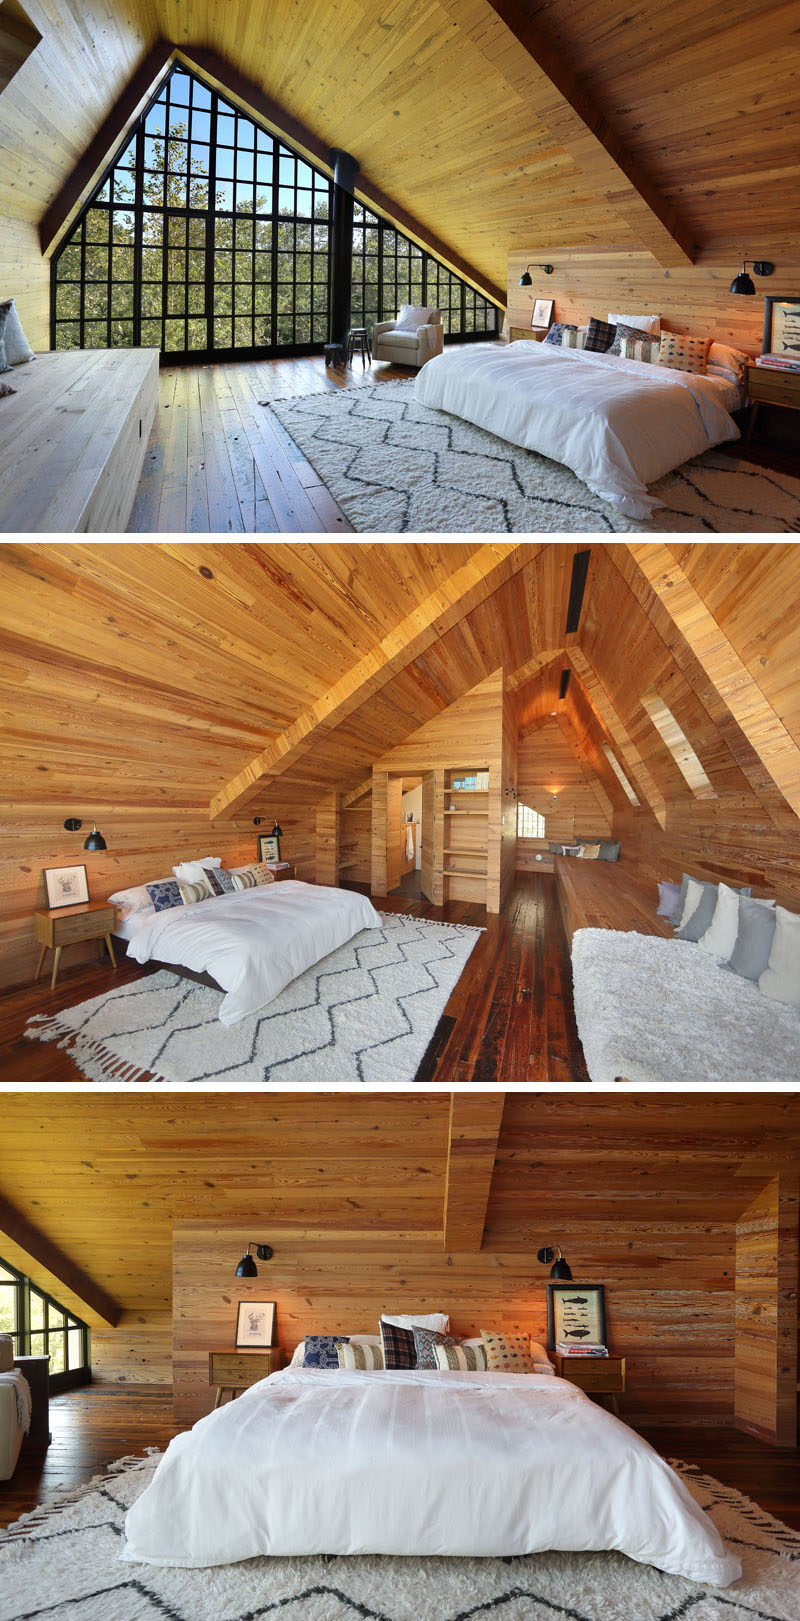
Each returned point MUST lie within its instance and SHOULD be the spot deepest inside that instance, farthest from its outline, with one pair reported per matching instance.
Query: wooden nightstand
(237, 1370)
(599, 1376)
(768, 386)
(288, 872)
(536, 333)
(93, 920)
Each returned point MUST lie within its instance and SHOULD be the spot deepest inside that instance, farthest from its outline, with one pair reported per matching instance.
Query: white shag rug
(367, 1013)
(63, 1564)
(396, 467)
(649, 1009)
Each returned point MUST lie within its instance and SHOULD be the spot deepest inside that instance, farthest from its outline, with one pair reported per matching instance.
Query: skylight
(619, 773)
(678, 744)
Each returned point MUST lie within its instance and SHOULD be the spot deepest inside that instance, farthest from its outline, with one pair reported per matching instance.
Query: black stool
(357, 342)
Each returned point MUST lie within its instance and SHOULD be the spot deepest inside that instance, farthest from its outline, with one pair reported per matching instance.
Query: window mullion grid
(273, 325)
(138, 235)
(211, 225)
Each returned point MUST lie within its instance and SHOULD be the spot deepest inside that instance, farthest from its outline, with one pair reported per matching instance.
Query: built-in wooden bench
(73, 439)
(606, 895)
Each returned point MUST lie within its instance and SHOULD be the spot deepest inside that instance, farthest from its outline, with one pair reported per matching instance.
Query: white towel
(23, 1394)
(409, 841)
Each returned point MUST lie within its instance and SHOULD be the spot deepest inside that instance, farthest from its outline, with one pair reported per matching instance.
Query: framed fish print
(576, 1314)
(269, 847)
(255, 1324)
(542, 312)
(781, 327)
(65, 886)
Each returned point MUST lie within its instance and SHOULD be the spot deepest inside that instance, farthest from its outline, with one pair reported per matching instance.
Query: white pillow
(720, 937)
(437, 1320)
(299, 1352)
(411, 319)
(642, 323)
(781, 977)
(192, 871)
(137, 898)
(17, 347)
(694, 895)
(732, 361)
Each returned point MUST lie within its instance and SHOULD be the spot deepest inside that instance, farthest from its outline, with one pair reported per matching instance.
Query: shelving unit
(466, 829)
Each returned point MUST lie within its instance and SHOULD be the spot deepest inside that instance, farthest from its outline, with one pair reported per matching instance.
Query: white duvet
(254, 943)
(317, 1461)
(618, 424)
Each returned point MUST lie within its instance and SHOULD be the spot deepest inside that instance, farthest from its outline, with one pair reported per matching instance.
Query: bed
(253, 943)
(415, 1462)
(618, 424)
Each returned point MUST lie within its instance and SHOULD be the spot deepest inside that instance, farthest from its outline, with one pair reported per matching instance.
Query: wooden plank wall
(142, 844)
(355, 842)
(696, 299)
(548, 766)
(327, 820)
(765, 1379)
(508, 808)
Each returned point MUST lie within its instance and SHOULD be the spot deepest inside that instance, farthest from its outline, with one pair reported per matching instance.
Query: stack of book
(586, 1348)
(277, 866)
(781, 362)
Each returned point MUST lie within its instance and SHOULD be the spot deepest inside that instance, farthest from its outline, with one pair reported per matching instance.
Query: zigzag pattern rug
(365, 1014)
(396, 467)
(62, 1564)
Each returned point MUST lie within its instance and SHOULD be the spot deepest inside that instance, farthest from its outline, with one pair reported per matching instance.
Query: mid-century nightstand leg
(218, 1397)
(41, 960)
(56, 961)
(111, 951)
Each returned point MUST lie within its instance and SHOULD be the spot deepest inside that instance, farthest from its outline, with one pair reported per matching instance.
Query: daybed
(619, 424)
(408, 1461)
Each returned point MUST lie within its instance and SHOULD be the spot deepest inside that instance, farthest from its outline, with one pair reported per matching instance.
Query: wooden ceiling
(95, 1184)
(669, 128)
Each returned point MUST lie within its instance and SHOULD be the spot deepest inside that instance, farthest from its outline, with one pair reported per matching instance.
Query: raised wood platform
(73, 440)
(606, 895)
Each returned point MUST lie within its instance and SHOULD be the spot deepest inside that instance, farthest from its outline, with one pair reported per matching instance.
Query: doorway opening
(404, 837)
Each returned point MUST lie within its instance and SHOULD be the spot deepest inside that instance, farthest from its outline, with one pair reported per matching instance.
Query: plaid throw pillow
(219, 880)
(165, 895)
(600, 336)
(321, 1350)
(399, 1350)
(557, 330)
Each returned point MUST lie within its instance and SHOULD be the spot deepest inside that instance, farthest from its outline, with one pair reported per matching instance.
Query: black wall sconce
(743, 283)
(525, 278)
(95, 840)
(247, 1267)
(559, 1268)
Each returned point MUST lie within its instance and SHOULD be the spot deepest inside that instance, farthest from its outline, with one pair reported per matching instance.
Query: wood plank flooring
(93, 1426)
(219, 463)
(509, 1020)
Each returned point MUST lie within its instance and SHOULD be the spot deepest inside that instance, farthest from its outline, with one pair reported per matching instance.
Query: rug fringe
(432, 923)
(91, 1056)
(36, 1517)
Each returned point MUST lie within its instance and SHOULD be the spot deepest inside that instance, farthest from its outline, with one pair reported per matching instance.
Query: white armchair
(13, 1424)
(409, 347)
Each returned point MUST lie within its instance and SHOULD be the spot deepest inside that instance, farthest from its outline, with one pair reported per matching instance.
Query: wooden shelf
(466, 813)
(476, 855)
(345, 865)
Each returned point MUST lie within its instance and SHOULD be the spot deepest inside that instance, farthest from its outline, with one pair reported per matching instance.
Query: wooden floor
(219, 463)
(509, 1020)
(91, 1427)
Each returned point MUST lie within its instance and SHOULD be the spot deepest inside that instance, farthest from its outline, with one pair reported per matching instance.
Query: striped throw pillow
(244, 880)
(682, 353)
(261, 873)
(192, 893)
(454, 1356)
(360, 1356)
(645, 349)
(574, 338)
(508, 1353)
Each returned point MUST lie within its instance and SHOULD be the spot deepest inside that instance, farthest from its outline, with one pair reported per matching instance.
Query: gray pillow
(676, 915)
(609, 851)
(667, 899)
(695, 926)
(5, 311)
(555, 849)
(750, 955)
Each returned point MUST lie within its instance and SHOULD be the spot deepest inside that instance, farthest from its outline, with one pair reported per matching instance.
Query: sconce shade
(95, 841)
(559, 1268)
(742, 283)
(525, 280)
(277, 831)
(247, 1267)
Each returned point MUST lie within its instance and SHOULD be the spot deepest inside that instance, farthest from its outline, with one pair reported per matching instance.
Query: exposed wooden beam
(527, 672)
(355, 794)
(26, 1248)
(637, 769)
(474, 1129)
(738, 688)
(544, 77)
(488, 568)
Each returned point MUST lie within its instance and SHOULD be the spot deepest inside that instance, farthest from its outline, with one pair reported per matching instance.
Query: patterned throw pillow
(600, 336)
(219, 880)
(682, 353)
(359, 1356)
(322, 1350)
(425, 1343)
(508, 1353)
(192, 893)
(575, 338)
(165, 895)
(629, 338)
(454, 1356)
(261, 873)
(555, 334)
(244, 880)
(590, 852)
(399, 1350)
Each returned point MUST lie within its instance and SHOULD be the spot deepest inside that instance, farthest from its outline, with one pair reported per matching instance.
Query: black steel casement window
(39, 1326)
(207, 237)
(389, 270)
